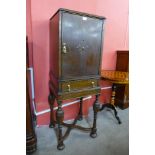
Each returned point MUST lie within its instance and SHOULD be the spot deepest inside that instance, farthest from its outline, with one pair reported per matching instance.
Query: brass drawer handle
(69, 88)
(64, 48)
(93, 84)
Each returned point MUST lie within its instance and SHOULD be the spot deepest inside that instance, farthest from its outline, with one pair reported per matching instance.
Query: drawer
(78, 85)
(78, 93)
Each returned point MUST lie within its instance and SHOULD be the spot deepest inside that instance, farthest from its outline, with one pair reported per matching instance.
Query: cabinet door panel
(92, 41)
(81, 45)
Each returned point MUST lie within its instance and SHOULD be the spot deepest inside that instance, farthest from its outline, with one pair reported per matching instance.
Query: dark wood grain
(31, 140)
(83, 39)
(75, 58)
(79, 93)
(79, 45)
(122, 91)
(122, 62)
(76, 85)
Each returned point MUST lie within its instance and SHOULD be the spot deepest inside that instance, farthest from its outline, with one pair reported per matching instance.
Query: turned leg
(96, 108)
(51, 100)
(59, 118)
(113, 103)
(80, 110)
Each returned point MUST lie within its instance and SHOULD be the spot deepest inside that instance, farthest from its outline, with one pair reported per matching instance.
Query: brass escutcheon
(64, 49)
(69, 87)
(93, 84)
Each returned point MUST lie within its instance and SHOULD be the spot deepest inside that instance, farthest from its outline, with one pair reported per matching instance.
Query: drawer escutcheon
(93, 84)
(69, 88)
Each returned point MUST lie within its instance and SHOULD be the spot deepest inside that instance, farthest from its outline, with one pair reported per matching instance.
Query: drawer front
(78, 93)
(78, 85)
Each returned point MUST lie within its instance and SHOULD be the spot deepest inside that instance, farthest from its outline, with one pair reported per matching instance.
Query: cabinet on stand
(75, 56)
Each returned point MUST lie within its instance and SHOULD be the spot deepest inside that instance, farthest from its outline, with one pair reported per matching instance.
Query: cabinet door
(81, 45)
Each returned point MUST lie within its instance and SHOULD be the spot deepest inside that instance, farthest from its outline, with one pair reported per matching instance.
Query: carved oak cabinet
(75, 56)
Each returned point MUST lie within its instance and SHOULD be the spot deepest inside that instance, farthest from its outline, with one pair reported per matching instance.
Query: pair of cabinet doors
(80, 44)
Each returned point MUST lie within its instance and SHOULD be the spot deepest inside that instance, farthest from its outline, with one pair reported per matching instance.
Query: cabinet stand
(60, 123)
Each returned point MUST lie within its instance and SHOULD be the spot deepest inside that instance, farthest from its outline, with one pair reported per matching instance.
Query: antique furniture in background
(31, 140)
(75, 56)
(115, 77)
(122, 91)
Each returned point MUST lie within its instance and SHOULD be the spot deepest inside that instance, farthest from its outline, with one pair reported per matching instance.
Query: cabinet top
(77, 12)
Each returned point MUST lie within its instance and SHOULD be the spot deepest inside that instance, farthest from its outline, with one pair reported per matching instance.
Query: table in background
(115, 77)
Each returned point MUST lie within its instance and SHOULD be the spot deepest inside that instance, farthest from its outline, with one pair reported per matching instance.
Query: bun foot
(80, 118)
(51, 125)
(93, 135)
(60, 146)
